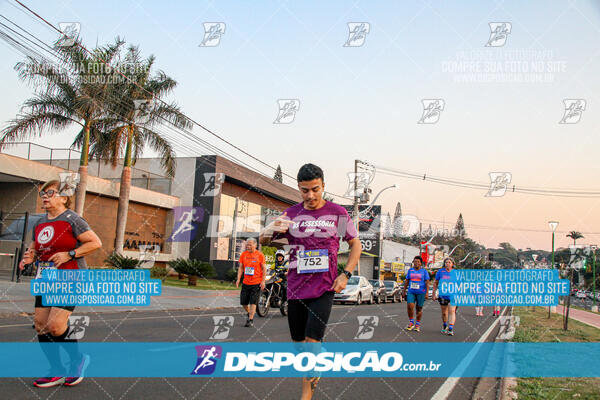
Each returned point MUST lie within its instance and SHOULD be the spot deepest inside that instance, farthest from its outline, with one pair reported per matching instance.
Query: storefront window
(246, 219)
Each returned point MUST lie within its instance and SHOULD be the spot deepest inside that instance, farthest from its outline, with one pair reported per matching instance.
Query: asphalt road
(197, 326)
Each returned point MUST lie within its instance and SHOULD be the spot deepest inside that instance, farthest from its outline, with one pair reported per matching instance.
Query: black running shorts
(309, 317)
(443, 301)
(249, 294)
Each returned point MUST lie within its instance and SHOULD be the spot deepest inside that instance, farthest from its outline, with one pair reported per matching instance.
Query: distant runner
(254, 269)
(448, 310)
(417, 284)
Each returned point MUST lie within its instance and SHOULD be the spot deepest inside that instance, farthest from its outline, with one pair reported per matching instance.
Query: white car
(580, 294)
(358, 290)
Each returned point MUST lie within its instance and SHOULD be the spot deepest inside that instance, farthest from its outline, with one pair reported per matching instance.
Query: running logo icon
(77, 327)
(186, 218)
(212, 34)
(366, 326)
(68, 183)
(148, 254)
(363, 180)
(432, 109)
(499, 32)
(507, 327)
(207, 359)
(499, 182)
(223, 325)
(573, 110)
(142, 109)
(287, 111)
(578, 254)
(70, 32)
(357, 33)
(212, 184)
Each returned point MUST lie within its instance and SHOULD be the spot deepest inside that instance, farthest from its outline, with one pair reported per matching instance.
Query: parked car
(358, 290)
(379, 291)
(580, 294)
(393, 291)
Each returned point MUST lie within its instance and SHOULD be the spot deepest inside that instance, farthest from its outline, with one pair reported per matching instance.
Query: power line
(190, 119)
(198, 142)
(135, 83)
(552, 192)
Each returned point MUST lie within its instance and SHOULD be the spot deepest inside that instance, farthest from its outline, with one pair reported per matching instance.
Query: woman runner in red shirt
(60, 240)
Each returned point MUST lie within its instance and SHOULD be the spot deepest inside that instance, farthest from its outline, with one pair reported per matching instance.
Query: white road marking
(448, 386)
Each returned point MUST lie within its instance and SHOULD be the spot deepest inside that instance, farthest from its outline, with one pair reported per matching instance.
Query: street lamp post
(553, 225)
(358, 200)
(594, 307)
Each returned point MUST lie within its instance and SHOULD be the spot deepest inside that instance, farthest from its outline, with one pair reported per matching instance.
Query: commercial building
(205, 211)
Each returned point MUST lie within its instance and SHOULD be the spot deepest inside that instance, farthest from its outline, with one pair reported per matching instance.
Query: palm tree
(66, 95)
(128, 137)
(575, 235)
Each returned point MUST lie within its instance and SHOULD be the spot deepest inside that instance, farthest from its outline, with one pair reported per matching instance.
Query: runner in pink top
(313, 229)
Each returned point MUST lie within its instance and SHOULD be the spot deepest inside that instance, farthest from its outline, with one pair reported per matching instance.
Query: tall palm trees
(85, 91)
(65, 95)
(134, 134)
(575, 235)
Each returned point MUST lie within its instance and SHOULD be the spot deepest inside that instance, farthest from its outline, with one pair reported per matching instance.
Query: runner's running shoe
(444, 330)
(83, 364)
(410, 327)
(49, 382)
(450, 332)
(417, 328)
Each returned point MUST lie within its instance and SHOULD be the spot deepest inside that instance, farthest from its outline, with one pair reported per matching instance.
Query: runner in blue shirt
(448, 310)
(417, 284)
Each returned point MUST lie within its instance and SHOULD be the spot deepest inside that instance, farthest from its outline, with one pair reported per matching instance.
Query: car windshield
(353, 281)
(373, 282)
(388, 283)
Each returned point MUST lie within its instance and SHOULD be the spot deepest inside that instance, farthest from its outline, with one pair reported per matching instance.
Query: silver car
(358, 290)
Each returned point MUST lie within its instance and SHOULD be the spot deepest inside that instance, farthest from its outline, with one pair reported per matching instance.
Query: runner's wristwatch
(72, 254)
(348, 274)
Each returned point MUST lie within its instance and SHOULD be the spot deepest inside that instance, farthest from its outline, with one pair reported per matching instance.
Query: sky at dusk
(503, 99)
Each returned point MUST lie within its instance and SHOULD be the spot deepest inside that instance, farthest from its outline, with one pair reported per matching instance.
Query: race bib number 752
(310, 261)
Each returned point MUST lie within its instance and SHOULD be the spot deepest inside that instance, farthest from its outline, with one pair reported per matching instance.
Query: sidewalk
(582, 316)
(15, 299)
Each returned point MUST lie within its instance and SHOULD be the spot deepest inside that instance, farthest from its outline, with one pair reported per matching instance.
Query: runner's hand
(28, 258)
(60, 258)
(340, 283)
(434, 297)
(281, 224)
(262, 286)
(237, 283)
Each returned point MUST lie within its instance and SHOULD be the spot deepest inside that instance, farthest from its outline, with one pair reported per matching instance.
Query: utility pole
(595, 307)
(356, 200)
